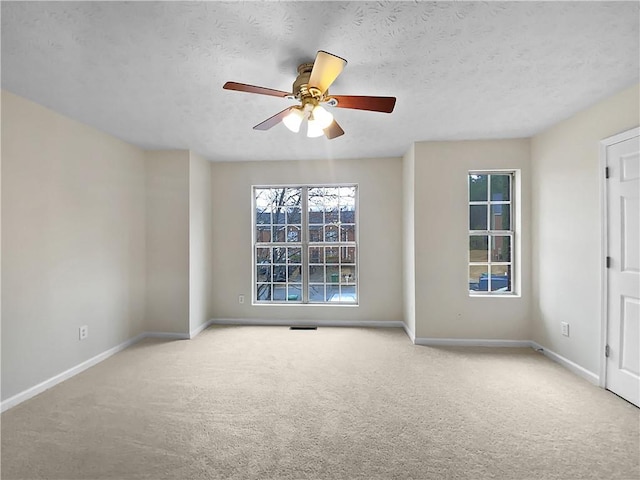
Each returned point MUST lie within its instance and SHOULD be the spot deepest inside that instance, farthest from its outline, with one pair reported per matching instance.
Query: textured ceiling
(151, 73)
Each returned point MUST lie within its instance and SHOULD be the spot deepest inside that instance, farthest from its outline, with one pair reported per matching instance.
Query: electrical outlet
(83, 332)
(240, 298)
(565, 328)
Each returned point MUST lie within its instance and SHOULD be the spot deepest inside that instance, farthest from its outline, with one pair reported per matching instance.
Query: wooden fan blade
(272, 121)
(334, 130)
(326, 69)
(243, 87)
(374, 104)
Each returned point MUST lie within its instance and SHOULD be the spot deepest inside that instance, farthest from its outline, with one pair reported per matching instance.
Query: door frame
(604, 247)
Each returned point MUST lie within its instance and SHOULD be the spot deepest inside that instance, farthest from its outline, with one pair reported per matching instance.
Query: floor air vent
(302, 328)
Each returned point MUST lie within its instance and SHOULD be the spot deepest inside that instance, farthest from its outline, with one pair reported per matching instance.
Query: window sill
(292, 304)
(495, 295)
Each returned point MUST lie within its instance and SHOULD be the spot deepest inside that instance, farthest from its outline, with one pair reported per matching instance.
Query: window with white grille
(491, 233)
(305, 244)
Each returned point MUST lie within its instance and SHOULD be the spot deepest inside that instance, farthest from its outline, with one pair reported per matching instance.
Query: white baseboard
(61, 377)
(410, 333)
(470, 342)
(166, 335)
(462, 342)
(568, 364)
(309, 323)
(196, 331)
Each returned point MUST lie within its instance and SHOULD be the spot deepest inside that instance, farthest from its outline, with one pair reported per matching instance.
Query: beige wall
(167, 248)
(380, 230)
(566, 227)
(409, 240)
(443, 306)
(200, 242)
(73, 243)
(179, 245)
(95, 232)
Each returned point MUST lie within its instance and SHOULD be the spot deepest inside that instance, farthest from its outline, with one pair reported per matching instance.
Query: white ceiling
(151, 73)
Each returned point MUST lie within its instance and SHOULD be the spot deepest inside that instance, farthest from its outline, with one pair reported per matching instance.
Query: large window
(491, 233)
(305, 244)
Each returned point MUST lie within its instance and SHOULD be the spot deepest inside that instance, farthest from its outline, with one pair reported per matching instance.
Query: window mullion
(488, 202)
(489, 225)
(304, 236)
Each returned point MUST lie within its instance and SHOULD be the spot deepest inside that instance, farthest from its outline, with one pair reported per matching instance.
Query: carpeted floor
(336, 403)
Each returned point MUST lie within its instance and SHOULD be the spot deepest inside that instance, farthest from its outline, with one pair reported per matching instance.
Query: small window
(305, 248)
(491, 233)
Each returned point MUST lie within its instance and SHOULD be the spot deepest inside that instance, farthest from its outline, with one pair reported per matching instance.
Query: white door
(623, 272)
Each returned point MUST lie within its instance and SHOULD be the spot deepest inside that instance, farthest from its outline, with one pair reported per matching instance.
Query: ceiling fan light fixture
(322, 117)
(314, 129)
(294, 119)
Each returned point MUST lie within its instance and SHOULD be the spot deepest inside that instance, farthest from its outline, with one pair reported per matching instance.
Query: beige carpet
(336, 403)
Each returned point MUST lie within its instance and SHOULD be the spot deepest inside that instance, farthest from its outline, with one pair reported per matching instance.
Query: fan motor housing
(301, 89)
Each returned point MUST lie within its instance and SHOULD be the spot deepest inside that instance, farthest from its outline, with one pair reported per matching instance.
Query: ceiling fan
(311, 89)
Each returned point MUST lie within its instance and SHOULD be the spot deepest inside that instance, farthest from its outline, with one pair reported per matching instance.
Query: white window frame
(512, 233)
(305, 244)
